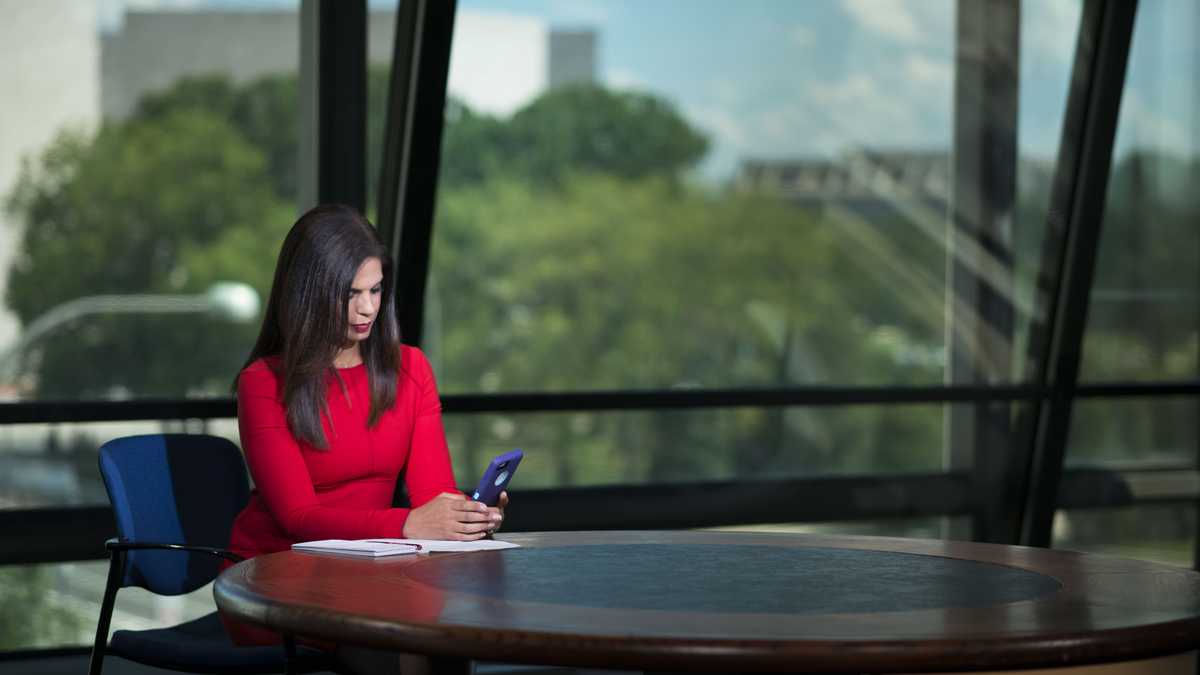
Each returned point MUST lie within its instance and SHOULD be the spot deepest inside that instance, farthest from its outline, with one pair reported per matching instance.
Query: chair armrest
(115, 544)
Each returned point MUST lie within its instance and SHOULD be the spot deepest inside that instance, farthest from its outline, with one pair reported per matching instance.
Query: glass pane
(923, 528)
(1048, 36)
(1155, 444)
(1164, 533)
(56, 464)
(58, 605)
(381, 36)
(757, 197)
(1134, 431)
(637, 447)
(1144, 318)
(148, 171)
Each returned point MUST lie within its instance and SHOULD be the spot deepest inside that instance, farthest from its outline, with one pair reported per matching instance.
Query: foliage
(568, 129)
(194, 188)
(34, 621)
(157, 206)
(262, 111)
(609, 283)
(1148, 327)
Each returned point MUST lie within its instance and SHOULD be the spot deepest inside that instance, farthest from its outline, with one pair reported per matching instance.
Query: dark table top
(732, 601)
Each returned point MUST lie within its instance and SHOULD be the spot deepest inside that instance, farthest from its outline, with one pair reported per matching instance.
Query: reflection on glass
(920, 528)
(167, 172)
(44, 606)
(1153, 442)
(53, 465)
(1144, 318)
(639, 202)
(1162, 533)
(638, 447)
(1134, 431)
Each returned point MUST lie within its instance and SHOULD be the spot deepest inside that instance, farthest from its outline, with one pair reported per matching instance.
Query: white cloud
(884, 111)
(906, 106)
(1049, 28)
(923, 70)
(924, 22)
(726, 127)
(589, 12)
(725, 91)
(893, 18)
(856, 87)
(1144, 126)
(935, 19)
(619, 78)
(802, 35)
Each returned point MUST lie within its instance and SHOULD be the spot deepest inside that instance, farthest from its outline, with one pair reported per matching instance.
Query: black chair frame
(117, 549)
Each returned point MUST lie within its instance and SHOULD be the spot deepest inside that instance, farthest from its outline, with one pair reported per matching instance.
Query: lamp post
(233, 300)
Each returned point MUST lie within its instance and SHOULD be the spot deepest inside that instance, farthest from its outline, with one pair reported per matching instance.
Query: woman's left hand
(497, 512)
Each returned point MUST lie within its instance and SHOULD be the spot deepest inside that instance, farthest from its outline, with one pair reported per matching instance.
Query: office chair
(174, 497)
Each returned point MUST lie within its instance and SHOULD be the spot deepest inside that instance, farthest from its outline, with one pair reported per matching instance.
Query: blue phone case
(497, 476)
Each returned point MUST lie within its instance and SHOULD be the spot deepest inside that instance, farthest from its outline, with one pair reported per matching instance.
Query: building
(51, 79)
(500, 61)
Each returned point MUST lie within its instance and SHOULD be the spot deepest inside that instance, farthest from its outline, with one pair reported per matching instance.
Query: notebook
(379, 548)
(367, 548)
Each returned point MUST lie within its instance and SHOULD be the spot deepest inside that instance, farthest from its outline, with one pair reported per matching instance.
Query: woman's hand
(451, 515)
(497, 512)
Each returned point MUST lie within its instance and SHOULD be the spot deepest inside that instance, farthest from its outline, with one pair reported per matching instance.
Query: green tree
(134, 210)
(1143, 318)
(579, 128)
(263, 111)
(33, 621)
(473, 146)
(608, 283)
(569, 254)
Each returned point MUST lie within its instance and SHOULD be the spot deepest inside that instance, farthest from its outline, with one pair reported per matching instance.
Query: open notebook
(378, 548)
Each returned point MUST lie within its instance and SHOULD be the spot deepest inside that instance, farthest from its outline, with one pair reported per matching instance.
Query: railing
(61, 534)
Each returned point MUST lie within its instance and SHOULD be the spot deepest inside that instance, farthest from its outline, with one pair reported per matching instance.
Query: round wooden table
(725, 601)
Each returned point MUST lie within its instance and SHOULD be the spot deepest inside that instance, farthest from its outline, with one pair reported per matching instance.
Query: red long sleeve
(345, 491)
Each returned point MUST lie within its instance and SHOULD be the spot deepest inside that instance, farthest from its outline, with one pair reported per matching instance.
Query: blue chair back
(174, 489)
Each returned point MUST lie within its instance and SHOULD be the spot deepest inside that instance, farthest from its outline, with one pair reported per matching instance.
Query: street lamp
(231, 300)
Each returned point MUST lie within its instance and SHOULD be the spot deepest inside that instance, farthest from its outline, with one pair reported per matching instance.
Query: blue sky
(807, 78)
(779, 78)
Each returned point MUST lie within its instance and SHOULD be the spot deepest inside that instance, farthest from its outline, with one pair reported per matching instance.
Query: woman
(332, 408)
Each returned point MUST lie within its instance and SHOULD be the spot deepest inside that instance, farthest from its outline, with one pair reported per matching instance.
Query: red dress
(345, 491)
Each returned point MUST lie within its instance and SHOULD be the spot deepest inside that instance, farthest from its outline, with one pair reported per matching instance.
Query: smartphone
(496, 478)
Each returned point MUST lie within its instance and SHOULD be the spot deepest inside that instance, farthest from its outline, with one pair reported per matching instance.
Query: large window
(806, 254)
(1144, 315)
(648, 447)
(763, 196)
(757, 196)
(148, 172)
(144, 216)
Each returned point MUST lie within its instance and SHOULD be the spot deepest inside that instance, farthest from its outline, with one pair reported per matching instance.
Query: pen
(393, 543)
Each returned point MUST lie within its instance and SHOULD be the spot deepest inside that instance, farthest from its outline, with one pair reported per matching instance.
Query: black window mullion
(342, 102)
(1073, 234)
(980, 320)
(47, 412)
(412, 149)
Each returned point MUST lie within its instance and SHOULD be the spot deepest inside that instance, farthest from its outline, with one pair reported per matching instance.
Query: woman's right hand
(450, 515)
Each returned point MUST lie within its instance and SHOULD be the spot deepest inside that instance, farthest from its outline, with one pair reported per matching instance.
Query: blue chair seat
(202, 646)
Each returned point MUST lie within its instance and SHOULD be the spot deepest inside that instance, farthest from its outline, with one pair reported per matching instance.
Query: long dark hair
(308, 315)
